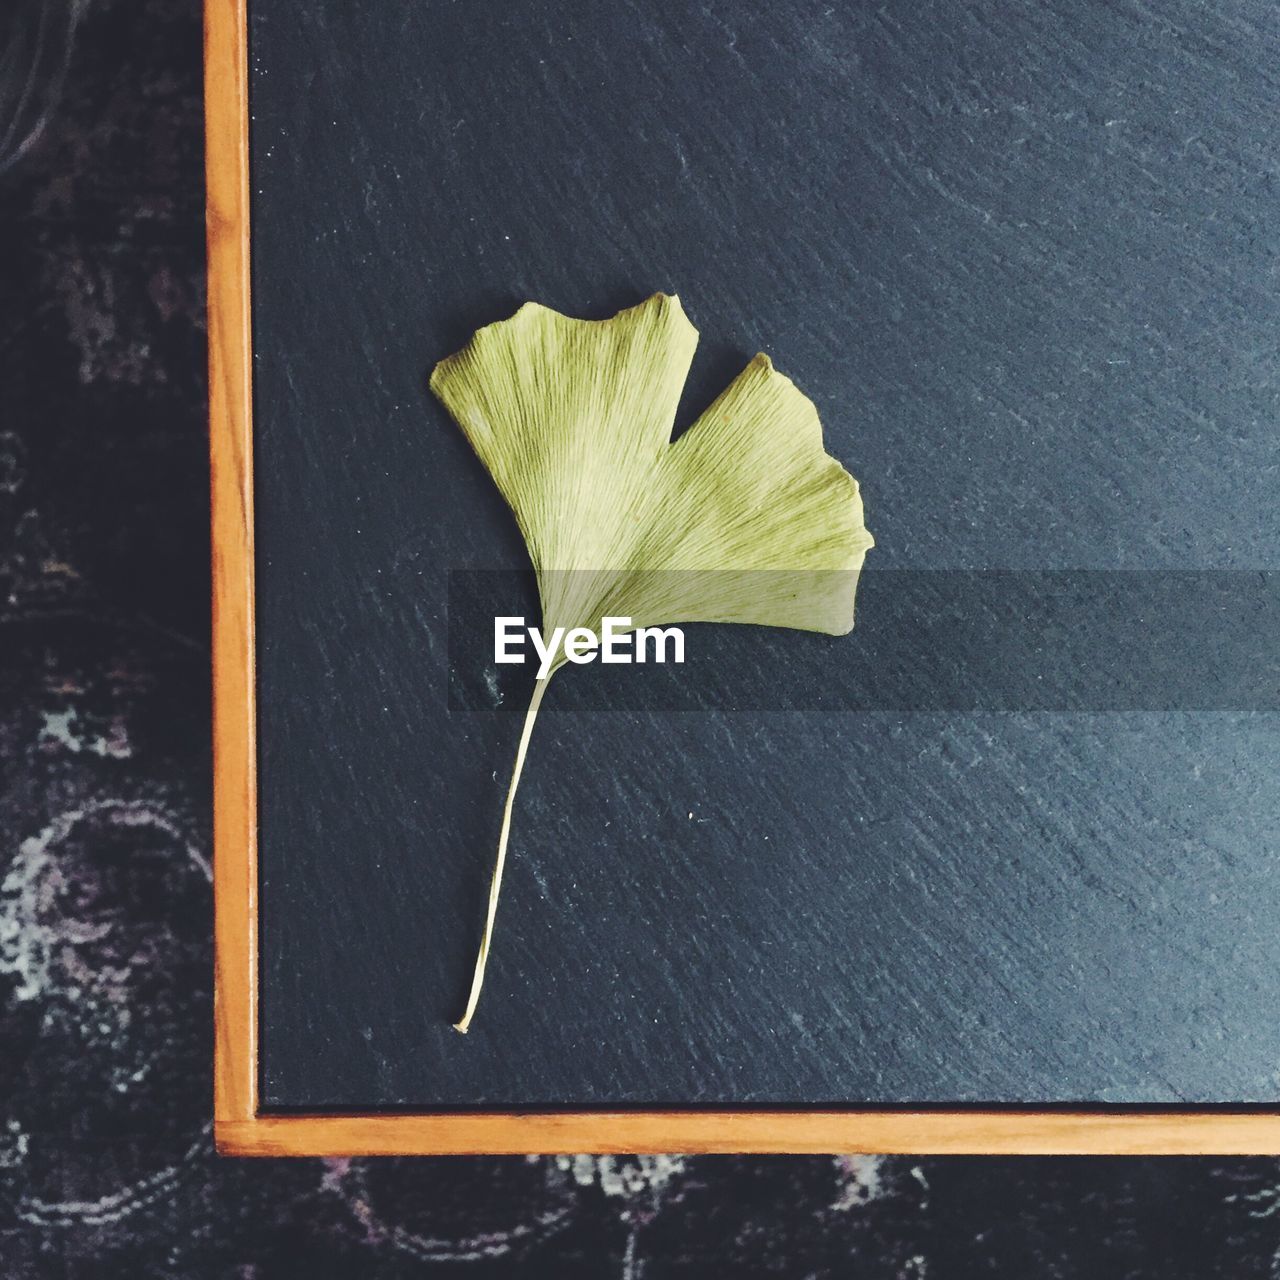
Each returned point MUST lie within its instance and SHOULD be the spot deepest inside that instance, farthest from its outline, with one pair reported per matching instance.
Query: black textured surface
(1023, 259)
(106, 1168)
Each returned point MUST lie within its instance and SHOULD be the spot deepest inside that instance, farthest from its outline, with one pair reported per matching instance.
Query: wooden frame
(239, 1127)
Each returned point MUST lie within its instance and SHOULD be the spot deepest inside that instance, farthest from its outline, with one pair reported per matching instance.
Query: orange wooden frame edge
(238, 1127)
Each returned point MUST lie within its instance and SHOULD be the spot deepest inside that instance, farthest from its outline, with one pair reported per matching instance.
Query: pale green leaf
(745, 518)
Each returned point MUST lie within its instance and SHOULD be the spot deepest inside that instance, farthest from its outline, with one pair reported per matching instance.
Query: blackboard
(1023, 259)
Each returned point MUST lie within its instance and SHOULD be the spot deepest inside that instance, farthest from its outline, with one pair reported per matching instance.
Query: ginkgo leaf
(744, 518)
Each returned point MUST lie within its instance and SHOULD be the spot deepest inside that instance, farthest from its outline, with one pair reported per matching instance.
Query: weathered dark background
(106, 1168)
(1023, 257)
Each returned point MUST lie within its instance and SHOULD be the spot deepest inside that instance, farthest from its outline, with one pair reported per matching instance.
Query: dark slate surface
(1024, 260)
(106, 1168)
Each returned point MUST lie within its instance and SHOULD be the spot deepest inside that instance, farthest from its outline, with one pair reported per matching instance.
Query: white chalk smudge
(34, 933)
(860, 1181)
(59, 728)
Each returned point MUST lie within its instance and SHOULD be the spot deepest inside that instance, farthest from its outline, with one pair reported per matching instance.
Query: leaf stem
(495, 885)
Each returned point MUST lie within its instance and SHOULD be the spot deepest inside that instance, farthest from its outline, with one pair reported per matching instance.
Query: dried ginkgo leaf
(745, 518)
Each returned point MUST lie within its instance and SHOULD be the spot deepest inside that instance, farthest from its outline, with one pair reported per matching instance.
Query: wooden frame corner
(240, 1127)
